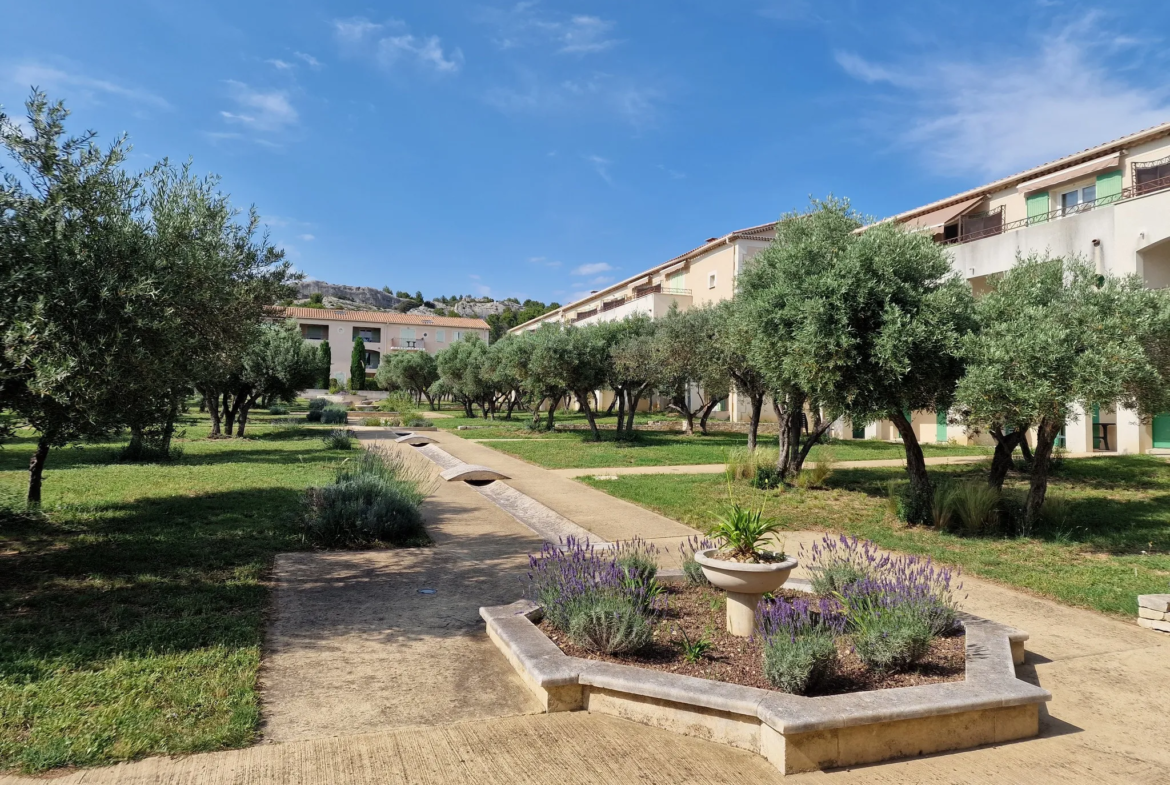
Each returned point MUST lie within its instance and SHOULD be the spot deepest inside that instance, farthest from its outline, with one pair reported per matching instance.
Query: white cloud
(1004, 113)
(602, 279)
(473, 277)
(585, 35)
(259, 110)
(672, 173)
(56, 80)
(308, 238)
(310, 61)
(427, 52)
(279, 65)
(524, 25)
(361, 37)
(601, 166)
(598, 93)
(592, 269)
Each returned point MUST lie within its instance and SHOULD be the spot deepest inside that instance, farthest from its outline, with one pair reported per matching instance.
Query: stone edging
(795, 733)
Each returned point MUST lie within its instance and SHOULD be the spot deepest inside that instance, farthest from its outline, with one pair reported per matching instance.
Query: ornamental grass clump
(799, 642)
(588, 594)
(334, 414)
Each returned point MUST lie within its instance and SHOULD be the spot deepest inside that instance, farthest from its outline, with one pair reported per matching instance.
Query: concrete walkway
(461, 711)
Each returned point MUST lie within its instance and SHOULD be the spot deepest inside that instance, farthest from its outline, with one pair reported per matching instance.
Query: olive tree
(860, 323)
(689, 374)
(732, 336)
(413, 371)
(1054, 337)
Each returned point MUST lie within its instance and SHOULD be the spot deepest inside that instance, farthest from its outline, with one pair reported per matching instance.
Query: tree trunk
(916, 469)
(757, 402)
(1046, 434)
(242, 418)
(467, 410)
(680, 406)
(631, 410)
(783, 435)
(613, 402)
(588, 409)
(36, 470)
(211, 402)
(819, 430)
(1025, 448)
(536, 412)
(552, 410)
(706, 413)
(1001, 459)
(619, 397)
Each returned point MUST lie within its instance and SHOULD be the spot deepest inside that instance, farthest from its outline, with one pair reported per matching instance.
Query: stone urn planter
(744, 583)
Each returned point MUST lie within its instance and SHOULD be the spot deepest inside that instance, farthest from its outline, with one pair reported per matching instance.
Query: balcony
(1123, 233)
(654, 302)
(989, 224)
(406, 345)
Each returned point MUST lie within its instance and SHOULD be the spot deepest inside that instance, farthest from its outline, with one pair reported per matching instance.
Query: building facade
(382, 332)
(1109, 204)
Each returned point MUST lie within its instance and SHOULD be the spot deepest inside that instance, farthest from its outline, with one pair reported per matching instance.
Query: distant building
(382, 333)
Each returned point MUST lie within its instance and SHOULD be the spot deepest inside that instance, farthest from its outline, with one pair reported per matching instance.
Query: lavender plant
(586, 593)
(692, 570)
(639, 559)
(610, 624)
(800, 651)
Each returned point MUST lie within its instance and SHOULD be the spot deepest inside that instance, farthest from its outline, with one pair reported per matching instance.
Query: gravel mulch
(698, 612)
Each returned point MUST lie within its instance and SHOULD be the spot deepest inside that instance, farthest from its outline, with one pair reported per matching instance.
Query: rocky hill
(364, 295)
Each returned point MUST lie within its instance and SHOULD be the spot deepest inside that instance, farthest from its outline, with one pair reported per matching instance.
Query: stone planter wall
(794, 733)
(1154, 612)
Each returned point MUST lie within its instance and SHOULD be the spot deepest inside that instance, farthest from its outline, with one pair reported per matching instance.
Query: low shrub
(834, 563)
(397, 402)
(692, 570)
(313, 415)
(375, 497)
(335, 414)
(610, 624)
(639, 560)
(416, 422)
(372, 422)
(278, 409)
(334, 386)
(767, 478)
(338, 439)
(800, 650)
(317, 404)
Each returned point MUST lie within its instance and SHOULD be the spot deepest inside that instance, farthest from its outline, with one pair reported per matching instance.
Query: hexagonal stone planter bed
(795, 733)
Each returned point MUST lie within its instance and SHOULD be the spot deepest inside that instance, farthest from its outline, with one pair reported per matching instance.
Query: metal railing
(1063, 212)
(638, 295)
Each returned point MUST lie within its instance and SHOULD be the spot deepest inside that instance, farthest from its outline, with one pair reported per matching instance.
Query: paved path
(1107, 722)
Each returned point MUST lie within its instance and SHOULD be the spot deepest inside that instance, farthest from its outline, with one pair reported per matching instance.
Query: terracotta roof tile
(382, 317)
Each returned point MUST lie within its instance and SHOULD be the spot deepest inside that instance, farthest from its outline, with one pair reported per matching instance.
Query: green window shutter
(858, 430)
(1038, 208)
(1109, 187)
(940, 433)
(677, 281)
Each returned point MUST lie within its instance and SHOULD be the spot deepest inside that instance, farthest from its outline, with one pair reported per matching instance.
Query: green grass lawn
(1113, 544)
(131, 617)
(573, 450)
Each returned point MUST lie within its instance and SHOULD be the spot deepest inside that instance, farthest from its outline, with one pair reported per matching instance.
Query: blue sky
(540, 149)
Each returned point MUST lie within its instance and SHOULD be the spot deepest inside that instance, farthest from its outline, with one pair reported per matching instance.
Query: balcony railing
(609, 305)
(639, 294)
(1141, 189)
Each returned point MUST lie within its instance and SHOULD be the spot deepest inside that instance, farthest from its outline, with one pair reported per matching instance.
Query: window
(1078, 200)
(710, 280)
(314, 332)
(368, 334)
(372, 359)
(440, 336)
(456, 335)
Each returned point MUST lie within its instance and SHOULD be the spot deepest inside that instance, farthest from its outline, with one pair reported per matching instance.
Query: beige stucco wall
(393, 338)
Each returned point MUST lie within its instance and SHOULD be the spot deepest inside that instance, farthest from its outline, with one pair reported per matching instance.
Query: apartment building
(382, 332)
(1109, 203)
